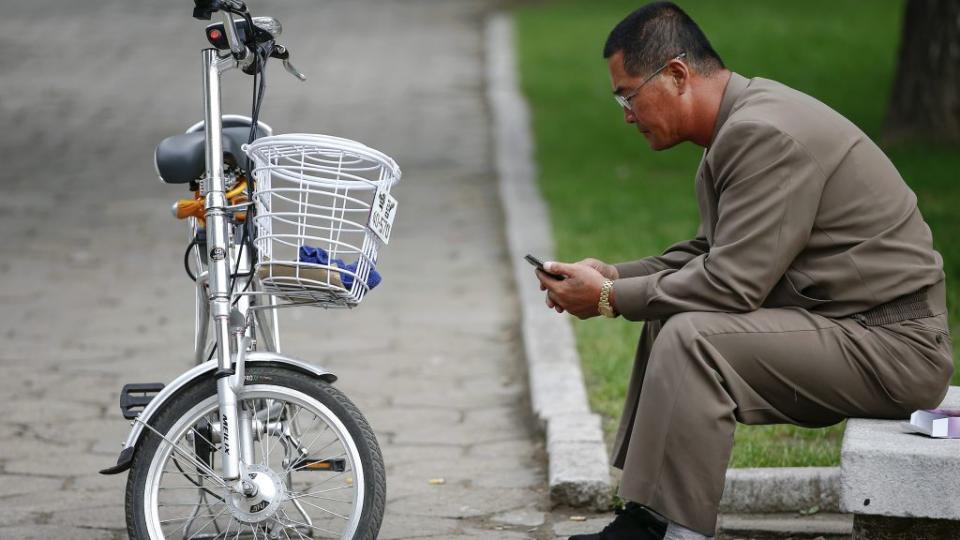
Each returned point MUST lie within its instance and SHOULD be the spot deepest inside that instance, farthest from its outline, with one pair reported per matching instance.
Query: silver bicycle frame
(214, 297)
(229, 351)
(218, 243)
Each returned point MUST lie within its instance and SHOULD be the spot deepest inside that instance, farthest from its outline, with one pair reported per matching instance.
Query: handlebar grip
(204, 9)
(235, 5)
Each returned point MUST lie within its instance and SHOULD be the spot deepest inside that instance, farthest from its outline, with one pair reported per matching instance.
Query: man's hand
(579, 293)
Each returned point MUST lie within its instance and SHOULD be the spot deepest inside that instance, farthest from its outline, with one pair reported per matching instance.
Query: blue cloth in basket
(317, 255)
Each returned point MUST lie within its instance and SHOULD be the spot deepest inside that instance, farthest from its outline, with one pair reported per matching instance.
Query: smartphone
(539, 264)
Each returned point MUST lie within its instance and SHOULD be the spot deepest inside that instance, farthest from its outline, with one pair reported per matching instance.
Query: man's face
(655, 109)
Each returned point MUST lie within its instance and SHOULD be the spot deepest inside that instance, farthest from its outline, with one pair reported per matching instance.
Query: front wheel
(315, 466)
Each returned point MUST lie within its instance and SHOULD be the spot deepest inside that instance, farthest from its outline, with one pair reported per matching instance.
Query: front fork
(236, 420)
(234, 334)
(230, 348)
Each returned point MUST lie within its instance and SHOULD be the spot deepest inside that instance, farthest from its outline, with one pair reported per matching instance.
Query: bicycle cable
(236, 266)
(258, 93)
(259, 86)
(186, 259)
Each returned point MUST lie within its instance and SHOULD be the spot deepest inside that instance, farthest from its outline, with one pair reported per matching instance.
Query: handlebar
(204, 9)
(236, 5)
(255, 35)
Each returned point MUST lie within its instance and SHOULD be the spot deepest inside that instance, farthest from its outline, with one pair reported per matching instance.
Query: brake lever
(282, 53)
(293, 71)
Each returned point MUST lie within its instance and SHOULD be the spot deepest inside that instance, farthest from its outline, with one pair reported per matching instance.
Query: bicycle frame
(222, 434)
(232, 343)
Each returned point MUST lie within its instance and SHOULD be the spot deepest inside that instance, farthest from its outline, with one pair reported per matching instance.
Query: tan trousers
(702, 372)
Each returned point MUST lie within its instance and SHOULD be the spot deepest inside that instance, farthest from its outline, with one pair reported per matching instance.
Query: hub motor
(266, 492)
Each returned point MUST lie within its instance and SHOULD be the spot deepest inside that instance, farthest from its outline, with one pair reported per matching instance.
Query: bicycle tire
(370, 457)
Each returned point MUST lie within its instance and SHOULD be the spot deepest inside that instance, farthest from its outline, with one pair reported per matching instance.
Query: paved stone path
(94, 295)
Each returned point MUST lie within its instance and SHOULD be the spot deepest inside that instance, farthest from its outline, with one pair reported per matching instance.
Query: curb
(579, 473)
(829, 526)
(781, 489)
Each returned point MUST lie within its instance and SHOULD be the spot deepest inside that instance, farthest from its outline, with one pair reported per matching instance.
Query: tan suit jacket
(798, 207)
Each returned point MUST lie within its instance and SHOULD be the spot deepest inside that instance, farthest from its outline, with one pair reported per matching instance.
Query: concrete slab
(888, 472)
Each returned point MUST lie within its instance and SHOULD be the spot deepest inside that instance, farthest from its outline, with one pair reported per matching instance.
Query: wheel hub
(266, 493)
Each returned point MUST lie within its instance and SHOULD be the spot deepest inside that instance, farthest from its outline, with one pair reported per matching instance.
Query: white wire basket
(323, 212)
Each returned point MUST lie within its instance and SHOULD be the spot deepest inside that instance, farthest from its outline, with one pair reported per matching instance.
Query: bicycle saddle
(180, 159)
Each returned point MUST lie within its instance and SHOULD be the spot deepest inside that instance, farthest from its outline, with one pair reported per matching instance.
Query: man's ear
(679, 74)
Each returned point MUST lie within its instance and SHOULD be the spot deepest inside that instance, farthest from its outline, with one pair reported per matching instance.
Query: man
(811, 293)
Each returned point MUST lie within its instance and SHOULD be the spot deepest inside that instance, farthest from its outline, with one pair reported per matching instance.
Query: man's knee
(683, 329)
(677, 341)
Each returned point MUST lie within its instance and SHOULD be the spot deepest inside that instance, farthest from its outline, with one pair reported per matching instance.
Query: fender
(198, 372)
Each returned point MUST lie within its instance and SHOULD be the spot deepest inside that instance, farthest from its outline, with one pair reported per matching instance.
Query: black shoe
(633, 522)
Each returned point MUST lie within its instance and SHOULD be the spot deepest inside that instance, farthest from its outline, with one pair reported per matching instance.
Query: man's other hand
(608, 271)
(578, 293)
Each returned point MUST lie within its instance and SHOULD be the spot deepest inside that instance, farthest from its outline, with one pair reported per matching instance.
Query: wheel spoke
(265, 438)
(191, 516)
(322, 509)
(322, 499)
(169, 505)
(197, 483)
(272, 444)
(185, 454)
(305, 465)
(220, 513)
(326, 503)
(285, 529)
(298, 495)
(217, 447)
(328, 479)
(302, 524)
(226, 531)
(306, 449)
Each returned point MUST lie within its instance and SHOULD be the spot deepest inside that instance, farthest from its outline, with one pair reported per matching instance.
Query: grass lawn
(613, 198)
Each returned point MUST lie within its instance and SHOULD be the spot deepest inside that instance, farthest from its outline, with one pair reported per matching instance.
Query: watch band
(604, 306)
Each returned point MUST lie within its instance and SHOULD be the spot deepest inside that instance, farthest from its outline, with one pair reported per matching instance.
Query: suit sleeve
(676, 256)
(768, 188)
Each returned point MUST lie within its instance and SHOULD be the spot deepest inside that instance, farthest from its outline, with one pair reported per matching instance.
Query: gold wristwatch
(604, 306)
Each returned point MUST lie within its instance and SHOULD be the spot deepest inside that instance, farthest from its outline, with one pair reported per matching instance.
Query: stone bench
(900, 485)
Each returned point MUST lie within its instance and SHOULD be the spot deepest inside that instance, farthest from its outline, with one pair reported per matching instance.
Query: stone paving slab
(95, 296)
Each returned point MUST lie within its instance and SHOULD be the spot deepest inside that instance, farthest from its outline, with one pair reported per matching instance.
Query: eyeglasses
(624, 101)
